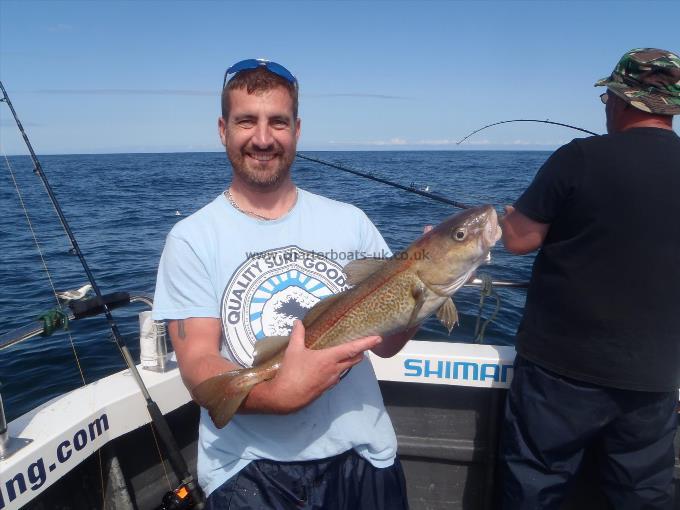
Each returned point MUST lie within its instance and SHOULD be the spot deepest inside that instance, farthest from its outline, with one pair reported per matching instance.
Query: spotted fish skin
(388, 297)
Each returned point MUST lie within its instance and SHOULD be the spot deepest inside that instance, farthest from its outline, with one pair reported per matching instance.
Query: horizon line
(525, 148)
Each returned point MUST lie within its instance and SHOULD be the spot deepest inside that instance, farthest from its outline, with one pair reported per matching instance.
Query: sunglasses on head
(254, 63)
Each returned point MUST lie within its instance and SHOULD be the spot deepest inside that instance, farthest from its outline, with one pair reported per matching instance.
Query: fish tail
(223, 394)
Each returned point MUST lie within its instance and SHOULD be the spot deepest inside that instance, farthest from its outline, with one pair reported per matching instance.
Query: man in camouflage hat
(648, 79)
(598, 352)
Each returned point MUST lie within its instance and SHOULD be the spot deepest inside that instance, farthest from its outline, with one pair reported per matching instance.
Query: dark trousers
(344, 482)
(550, 420)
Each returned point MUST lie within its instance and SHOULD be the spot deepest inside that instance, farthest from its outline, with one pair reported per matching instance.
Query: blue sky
(144, 76)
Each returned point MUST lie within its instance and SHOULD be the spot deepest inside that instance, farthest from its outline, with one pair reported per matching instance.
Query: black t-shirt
(604, 299)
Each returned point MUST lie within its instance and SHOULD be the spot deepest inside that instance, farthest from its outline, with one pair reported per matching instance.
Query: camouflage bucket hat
(648, 79)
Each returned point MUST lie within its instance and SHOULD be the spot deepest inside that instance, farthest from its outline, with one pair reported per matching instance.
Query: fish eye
(459, 234)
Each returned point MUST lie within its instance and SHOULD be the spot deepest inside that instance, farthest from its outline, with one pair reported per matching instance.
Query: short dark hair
(258, 80)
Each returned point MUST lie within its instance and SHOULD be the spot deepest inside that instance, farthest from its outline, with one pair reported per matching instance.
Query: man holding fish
(299, 429)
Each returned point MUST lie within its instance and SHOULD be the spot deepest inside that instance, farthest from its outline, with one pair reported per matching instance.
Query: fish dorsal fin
(448, 315)
(268, 347)
(358, 270)
(319, 308)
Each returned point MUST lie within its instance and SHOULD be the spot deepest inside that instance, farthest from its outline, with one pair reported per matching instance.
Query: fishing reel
(179, 499)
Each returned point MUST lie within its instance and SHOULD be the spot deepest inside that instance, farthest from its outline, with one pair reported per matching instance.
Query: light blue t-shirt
(257, 277)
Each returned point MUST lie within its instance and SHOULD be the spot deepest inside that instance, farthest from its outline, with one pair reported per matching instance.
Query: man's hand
(521, 234)
(306, 373)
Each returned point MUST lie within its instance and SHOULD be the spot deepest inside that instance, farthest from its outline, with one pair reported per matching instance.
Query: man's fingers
(504, 218)
(350, 362)
(297, 335)
(354, 348)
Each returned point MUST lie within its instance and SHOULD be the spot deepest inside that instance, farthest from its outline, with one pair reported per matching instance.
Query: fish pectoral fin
(432, 287)
(448, 315)
(319, 308)
(418, 293)
(445, 289)
(222, 395)
(268, 347)
(358, 270)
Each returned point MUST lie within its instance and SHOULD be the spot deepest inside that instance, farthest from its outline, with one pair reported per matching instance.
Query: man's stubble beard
(260, 179)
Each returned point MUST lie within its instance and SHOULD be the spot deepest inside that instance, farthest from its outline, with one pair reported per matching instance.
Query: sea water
(121, 206)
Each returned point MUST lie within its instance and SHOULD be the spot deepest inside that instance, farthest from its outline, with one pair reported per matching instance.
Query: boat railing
(479, 282)
(153, 346)
(78, 309)
(89, 307)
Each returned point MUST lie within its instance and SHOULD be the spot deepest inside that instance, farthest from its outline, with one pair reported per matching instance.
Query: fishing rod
(434, 196)
(476, 282)
(410, 189)
(177, 462)
(525, 120)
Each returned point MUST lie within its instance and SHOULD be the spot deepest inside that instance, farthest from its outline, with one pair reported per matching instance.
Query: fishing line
(160, 456)
(42, 258)
(525, 120)
(175, 457)
(30, 226)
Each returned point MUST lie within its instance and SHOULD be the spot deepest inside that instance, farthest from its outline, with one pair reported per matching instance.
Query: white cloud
(373, 143)
(438, 144)
(397, 141)
(60, 27)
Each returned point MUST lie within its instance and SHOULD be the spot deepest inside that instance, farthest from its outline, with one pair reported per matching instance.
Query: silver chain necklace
(230, 198)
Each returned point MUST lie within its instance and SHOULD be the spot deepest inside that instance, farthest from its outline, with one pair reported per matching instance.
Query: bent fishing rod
(175, 457)
(473, 282)
(525, 120)
(434, 196)
(427, 194)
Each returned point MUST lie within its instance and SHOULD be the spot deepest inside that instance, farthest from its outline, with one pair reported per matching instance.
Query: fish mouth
(492, 230)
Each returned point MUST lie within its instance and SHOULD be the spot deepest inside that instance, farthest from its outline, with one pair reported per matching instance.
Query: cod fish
(388, 296)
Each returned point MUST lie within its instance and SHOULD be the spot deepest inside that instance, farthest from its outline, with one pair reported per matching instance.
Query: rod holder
(153, 348)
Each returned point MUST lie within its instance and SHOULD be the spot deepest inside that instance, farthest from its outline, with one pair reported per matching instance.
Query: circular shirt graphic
(269, 291)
